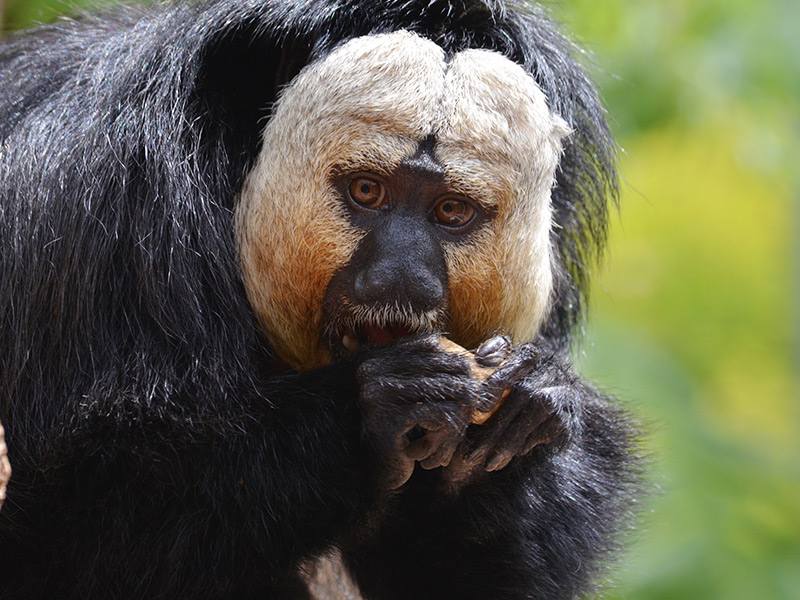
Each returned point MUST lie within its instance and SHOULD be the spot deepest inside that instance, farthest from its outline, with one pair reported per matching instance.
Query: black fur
(158, 451)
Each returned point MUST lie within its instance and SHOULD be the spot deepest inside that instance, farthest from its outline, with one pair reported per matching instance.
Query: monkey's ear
(240, 73)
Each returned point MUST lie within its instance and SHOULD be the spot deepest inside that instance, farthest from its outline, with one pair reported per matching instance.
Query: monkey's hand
(417, 401)
(531, 400)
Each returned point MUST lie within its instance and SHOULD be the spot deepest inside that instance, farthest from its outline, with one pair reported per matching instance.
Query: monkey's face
(399, 191)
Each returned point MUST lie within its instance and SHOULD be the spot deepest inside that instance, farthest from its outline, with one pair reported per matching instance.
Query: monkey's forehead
(375, 98)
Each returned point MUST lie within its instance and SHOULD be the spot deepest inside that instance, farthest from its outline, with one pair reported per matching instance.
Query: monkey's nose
(386, 283)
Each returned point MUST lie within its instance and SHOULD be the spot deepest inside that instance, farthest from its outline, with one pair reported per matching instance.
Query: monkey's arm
(534, 528)
(235, 489)
(233, 478)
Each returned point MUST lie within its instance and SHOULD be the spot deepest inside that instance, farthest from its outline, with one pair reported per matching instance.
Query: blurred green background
(695, 315)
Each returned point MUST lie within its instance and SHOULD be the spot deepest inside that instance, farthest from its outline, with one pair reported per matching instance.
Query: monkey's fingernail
(493, 351)
(498, 461)
(351, 343)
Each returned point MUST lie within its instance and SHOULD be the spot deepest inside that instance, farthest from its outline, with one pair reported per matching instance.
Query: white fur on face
(499, 142)
(366, 107)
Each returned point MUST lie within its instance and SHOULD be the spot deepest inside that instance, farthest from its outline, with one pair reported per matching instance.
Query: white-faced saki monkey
(245, 244)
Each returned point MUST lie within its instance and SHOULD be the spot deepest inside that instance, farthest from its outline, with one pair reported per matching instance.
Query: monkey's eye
(453, 212)
(367, 193)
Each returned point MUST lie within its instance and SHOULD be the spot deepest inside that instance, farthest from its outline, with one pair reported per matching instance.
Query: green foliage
(695, 319)
(693, 324)
(693, 61)
(24, 13)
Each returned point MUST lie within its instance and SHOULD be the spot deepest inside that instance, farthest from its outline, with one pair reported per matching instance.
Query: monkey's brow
(378, 165)
(486, 191)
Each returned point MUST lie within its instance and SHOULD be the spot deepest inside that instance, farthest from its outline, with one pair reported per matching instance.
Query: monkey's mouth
(374, 335)
(357, 327)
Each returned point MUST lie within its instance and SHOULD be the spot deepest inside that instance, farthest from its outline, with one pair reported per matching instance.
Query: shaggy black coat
(158, 450)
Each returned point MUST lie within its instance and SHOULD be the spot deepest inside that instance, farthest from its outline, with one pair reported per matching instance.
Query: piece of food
(492, 354)
(5, 466)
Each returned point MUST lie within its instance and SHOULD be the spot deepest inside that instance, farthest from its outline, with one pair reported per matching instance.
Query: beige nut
(5, 466)
(478, 372)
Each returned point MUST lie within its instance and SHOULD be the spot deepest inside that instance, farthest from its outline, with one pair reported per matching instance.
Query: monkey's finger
(443, 449)
(550, 430)
(489, 436)
(421, 356)
(520, 364)
(421, 448)
(399, 472)
(488, 404)
(515, 439)
(436, 446)
(419, 391)
(498, 461)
